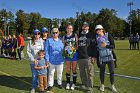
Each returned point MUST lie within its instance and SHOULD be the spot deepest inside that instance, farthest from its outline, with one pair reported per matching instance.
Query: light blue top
(41, 62)
(53, 51)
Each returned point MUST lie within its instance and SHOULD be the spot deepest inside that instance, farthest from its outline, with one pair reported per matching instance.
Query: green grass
(15, 76)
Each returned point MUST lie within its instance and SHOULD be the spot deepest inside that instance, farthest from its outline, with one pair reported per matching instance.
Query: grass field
(15, 76)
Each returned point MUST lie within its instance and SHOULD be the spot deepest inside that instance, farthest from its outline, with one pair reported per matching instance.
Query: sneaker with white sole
(73, 87)
(32, 91)
(102, 87)
(83, 87)
(68, 86)
(113, 88)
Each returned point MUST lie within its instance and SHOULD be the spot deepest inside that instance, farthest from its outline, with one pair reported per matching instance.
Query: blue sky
(68, 8)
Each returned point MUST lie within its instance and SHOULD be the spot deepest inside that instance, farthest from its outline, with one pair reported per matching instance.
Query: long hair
(33, 40)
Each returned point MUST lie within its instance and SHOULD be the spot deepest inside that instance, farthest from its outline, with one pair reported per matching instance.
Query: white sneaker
(102, 87)
(113, 88)
(32, 91)
(68, 86)
(73, 87)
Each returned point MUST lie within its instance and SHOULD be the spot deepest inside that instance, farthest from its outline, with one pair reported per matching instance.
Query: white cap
(98, 27)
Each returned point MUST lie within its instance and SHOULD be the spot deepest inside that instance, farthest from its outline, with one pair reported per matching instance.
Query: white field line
(123, 76)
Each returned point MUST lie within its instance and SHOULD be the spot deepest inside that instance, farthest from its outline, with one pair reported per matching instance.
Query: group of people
(134, 41)
(11, 45)
(49, 55)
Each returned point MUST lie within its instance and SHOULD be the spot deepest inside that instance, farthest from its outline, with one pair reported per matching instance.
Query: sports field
(15, 76)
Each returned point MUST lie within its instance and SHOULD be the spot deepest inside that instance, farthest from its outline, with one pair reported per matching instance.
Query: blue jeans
(34, 76)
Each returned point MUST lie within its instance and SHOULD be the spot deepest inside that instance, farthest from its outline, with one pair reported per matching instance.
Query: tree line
(25, 23)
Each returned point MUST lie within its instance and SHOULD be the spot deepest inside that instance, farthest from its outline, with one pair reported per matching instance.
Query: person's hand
(93, 60)
(35, 62)
(103, 44)
(45, 67)
(42, 67)
(19, 47)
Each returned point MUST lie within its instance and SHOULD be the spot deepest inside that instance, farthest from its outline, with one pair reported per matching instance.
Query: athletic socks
(68, 78)
(74, 77)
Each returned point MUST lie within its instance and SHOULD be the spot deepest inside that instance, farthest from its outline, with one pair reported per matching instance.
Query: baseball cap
(44, 29)
(98, 27)
(85, 23)
(36, 31)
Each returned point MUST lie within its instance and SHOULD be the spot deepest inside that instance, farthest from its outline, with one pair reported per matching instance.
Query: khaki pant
(86, 73)
(42, 82)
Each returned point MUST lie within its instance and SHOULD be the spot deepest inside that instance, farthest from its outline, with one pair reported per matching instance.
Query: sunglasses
(37, 34)
(55, 32)
(41, 55)
(98, 29)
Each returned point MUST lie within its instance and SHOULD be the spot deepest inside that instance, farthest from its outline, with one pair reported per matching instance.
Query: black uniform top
(15, 42)
(87, 45)
(111, 40)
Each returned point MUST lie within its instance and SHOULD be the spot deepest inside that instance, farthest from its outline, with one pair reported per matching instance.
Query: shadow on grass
(64, 86)
(11, 82)
(98, 88)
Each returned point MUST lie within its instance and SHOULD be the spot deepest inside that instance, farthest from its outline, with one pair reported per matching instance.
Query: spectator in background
(14, 47)
(131, 42)
(10, 45)
(34, 45)
(2, 45)
(6, 43)
(137, 38)
(20, 46)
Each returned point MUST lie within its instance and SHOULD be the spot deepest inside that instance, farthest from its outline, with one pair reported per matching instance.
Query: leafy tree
(22, 22)
(35, 20)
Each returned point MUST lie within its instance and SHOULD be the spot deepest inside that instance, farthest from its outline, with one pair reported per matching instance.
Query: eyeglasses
(98, 29)
(37, 34)
(55, 32)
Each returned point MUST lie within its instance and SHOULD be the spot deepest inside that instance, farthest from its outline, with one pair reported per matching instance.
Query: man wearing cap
(87, 53)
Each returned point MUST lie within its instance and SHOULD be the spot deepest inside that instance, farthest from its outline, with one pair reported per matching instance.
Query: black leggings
(19, 51)
(111, 67)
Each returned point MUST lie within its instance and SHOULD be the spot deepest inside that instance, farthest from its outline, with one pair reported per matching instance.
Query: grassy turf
(15, 76)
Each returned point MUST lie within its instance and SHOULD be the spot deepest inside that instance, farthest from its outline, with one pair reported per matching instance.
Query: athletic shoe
(113, 88)
(89, 91)
(60, 86)
(49, 88)
(32, 91)
(102, 87)
(68, 86)
(73, 87)
(83, 87)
